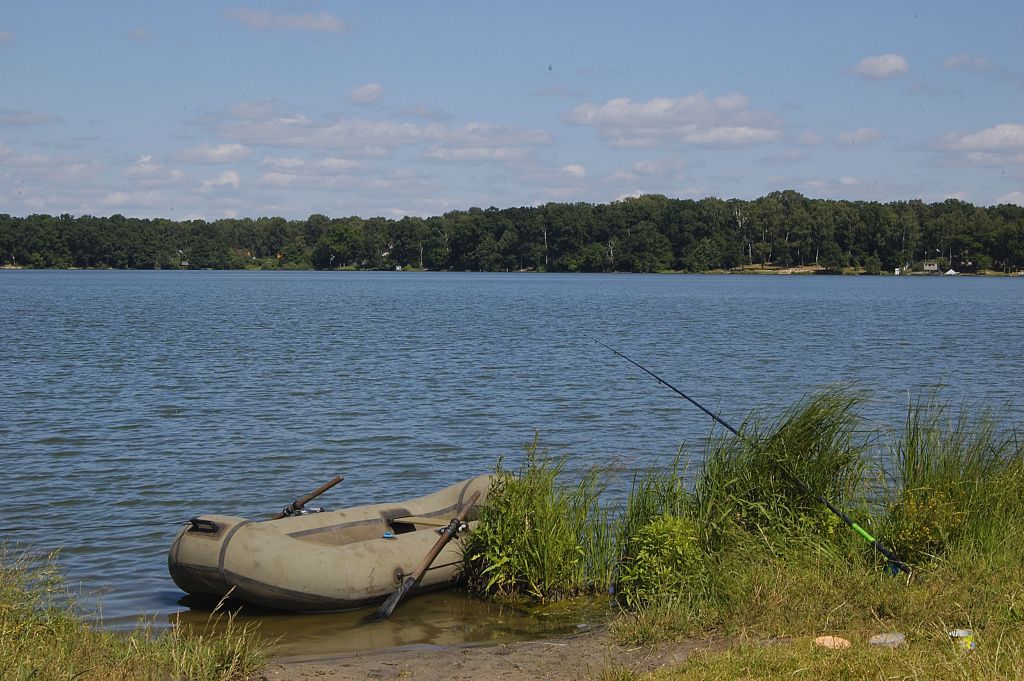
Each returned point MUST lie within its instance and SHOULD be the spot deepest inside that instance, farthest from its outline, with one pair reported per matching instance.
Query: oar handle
(410, 582)
(447, 533)
(302, 501)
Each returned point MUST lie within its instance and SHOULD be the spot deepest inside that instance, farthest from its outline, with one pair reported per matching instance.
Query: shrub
(921, 524)
(540, 539)
(665, 560)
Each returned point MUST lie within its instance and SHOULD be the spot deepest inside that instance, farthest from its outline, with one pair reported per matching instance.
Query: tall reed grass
(957, 477)
(539, 538)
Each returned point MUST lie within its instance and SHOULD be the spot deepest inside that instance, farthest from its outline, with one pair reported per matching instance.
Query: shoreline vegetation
(730, 550)
(734, 548)
(782, 232)
(44, 636)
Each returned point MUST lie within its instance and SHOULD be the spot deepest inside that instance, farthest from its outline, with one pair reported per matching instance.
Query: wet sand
(580, 656)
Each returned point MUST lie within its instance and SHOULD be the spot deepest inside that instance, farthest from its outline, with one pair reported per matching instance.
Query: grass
(748, 553)
(931, 656)
(42, 636)
(539, 539)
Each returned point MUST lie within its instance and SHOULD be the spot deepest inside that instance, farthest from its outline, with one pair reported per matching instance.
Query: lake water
(132, 401)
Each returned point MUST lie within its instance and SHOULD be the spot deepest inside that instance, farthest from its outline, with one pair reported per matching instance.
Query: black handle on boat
(302, 501)
(447, 534)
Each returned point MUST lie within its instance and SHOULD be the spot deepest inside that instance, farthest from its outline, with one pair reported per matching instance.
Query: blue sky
(207, 109)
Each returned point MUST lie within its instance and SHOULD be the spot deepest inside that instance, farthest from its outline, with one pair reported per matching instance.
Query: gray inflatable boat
(322, 561)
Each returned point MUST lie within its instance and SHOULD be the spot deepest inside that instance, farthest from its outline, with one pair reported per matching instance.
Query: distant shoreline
(756, 270)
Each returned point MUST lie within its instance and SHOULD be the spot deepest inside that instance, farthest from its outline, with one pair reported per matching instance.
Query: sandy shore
(580, 656)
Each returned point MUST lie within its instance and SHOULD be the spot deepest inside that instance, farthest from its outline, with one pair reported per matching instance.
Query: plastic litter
(832, 642)
(893, 640)
(964, 639)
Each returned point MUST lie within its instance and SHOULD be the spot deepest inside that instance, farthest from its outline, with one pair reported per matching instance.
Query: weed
(42, 636)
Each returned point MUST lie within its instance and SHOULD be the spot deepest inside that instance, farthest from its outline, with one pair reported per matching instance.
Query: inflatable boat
(331, 560)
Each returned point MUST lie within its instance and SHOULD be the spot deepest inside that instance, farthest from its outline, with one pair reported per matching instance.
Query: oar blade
(388, 607)
(447, 534)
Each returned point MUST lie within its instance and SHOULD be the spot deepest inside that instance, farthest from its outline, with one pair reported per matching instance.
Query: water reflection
(439, 618)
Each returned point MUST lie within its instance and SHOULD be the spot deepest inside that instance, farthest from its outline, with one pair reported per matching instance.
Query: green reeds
(754, 482)
(958, 477)
(540, 539)
(43, 637)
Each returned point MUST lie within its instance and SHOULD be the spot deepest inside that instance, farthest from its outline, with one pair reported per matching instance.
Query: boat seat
(422, 520)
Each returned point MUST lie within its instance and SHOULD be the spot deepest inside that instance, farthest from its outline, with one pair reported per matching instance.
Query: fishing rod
(889, 555)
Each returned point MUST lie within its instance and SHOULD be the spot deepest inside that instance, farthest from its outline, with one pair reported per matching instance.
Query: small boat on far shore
(331, 560)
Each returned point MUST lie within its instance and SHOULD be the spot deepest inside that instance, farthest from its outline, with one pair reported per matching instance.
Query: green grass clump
(753, 483)
(539, 539)
(665, 560)
(43, 637)
(957, 478)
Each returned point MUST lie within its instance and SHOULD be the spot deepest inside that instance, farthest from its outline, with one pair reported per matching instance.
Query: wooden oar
(302, 501)
(447, 534)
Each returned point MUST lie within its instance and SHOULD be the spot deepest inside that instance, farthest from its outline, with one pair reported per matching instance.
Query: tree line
(644, 234)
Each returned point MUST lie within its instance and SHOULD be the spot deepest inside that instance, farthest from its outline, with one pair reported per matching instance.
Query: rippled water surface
(134, 400)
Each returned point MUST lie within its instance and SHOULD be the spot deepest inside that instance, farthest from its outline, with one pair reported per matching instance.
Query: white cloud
(809, 138)
(470, 153)
(14, 158)
(858, 137)
(146, 171)
(574, 170)
(668, 169)
(275, 179)
(424, 111)
(1016, 197)
(366, 94)
(981, 65)
(139, 199)
(966, 61)
(999, 146)
(21, 118)
(46, 169)
(298, 172)
(788, 157)
(325, 166)
(283, 163)
(335, 165)
(848, 181)
(556, 91)
(221, 153)
(229, 178)
(882, 66)
(265, 19)
(259, 110)
(694, 119)
(367, 137)
(997, 138)
(729, 136)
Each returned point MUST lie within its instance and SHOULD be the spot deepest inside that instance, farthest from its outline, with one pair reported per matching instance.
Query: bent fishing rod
(889, 555)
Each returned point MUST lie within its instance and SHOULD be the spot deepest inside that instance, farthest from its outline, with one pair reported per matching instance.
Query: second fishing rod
(894, 561)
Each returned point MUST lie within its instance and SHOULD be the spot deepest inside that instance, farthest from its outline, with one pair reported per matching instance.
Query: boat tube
(322, 561)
